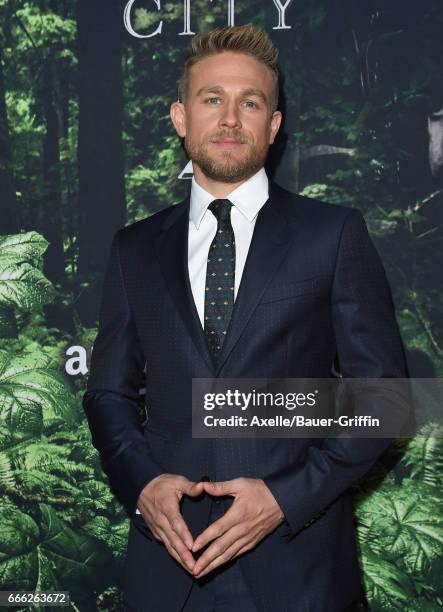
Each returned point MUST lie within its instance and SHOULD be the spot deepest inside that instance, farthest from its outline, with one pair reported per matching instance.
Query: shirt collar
(248, 197)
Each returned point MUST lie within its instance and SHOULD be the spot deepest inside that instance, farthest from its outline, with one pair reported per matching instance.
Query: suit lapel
(173, 255)
(269, 245)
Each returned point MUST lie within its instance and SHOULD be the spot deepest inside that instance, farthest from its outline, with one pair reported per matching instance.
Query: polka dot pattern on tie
(220, 276)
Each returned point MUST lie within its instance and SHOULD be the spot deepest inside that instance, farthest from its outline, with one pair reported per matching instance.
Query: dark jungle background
(87, 147)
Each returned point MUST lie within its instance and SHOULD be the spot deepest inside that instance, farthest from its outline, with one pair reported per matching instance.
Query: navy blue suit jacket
(313, 293)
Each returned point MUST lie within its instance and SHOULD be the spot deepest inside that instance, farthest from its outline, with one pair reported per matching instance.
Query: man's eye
(215, 100)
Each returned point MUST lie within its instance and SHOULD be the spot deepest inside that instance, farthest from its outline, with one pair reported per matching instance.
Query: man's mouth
(228, 143)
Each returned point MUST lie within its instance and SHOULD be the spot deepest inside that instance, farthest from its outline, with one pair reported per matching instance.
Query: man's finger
(218, 548)
(165, 541)
(192, 489)
(187, 560)
(179, 527)
(248, 546)
(215, 530)
(230, 553)
(175, 544)
(222, 487)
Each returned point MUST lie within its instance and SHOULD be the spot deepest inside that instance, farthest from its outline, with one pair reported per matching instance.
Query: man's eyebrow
(250, 91)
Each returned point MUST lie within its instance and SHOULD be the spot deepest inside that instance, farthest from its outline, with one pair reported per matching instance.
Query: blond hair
(240, 39)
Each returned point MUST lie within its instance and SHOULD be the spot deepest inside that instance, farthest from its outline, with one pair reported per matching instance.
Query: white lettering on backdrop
(127, 18)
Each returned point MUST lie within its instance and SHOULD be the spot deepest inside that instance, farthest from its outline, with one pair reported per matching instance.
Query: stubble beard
(229, 167)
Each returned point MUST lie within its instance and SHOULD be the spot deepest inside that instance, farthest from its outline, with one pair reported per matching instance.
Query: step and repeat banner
(87, 147)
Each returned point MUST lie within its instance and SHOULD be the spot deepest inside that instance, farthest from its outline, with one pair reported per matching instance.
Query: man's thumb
(221, 487)
(193, 489)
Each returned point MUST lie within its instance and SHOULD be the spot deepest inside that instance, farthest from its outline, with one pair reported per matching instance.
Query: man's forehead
(214, 71)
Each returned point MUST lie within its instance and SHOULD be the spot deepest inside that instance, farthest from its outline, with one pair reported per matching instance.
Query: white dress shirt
(247, 200)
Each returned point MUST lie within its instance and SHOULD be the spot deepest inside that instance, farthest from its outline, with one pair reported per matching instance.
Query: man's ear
(275, 125)
(178, 118)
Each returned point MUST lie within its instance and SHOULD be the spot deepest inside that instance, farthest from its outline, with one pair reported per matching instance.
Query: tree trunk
(102, 203)
(52, 226)
(8, 211)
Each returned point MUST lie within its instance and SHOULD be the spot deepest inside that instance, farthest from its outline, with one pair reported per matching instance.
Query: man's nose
(230, 116)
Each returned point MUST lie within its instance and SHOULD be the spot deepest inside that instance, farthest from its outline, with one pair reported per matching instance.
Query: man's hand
(254, 513)
(159, 505)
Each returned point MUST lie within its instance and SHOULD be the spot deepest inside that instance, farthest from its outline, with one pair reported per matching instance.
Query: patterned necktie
(220, 276)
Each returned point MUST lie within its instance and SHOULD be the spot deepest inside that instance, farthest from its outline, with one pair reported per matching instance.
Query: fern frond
(424, 457)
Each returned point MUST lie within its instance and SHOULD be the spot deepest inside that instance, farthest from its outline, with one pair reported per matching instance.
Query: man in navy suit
(242, 279)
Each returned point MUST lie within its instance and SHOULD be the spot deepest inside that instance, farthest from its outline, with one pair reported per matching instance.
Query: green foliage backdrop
(86, 146)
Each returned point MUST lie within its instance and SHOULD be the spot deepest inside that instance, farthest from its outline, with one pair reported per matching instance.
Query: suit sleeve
(368, 345)
(112, 397)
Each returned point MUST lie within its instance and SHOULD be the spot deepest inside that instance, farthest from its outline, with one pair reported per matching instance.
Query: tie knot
(221, 209)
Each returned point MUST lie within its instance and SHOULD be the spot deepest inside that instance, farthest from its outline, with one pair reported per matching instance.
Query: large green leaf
(47, 556)
(401, 523)
(76, 556)
(33, 396)
(114, 534)
(26, 246)
(22, 284)
(388, 588)
(19, 537)
(96, 494)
